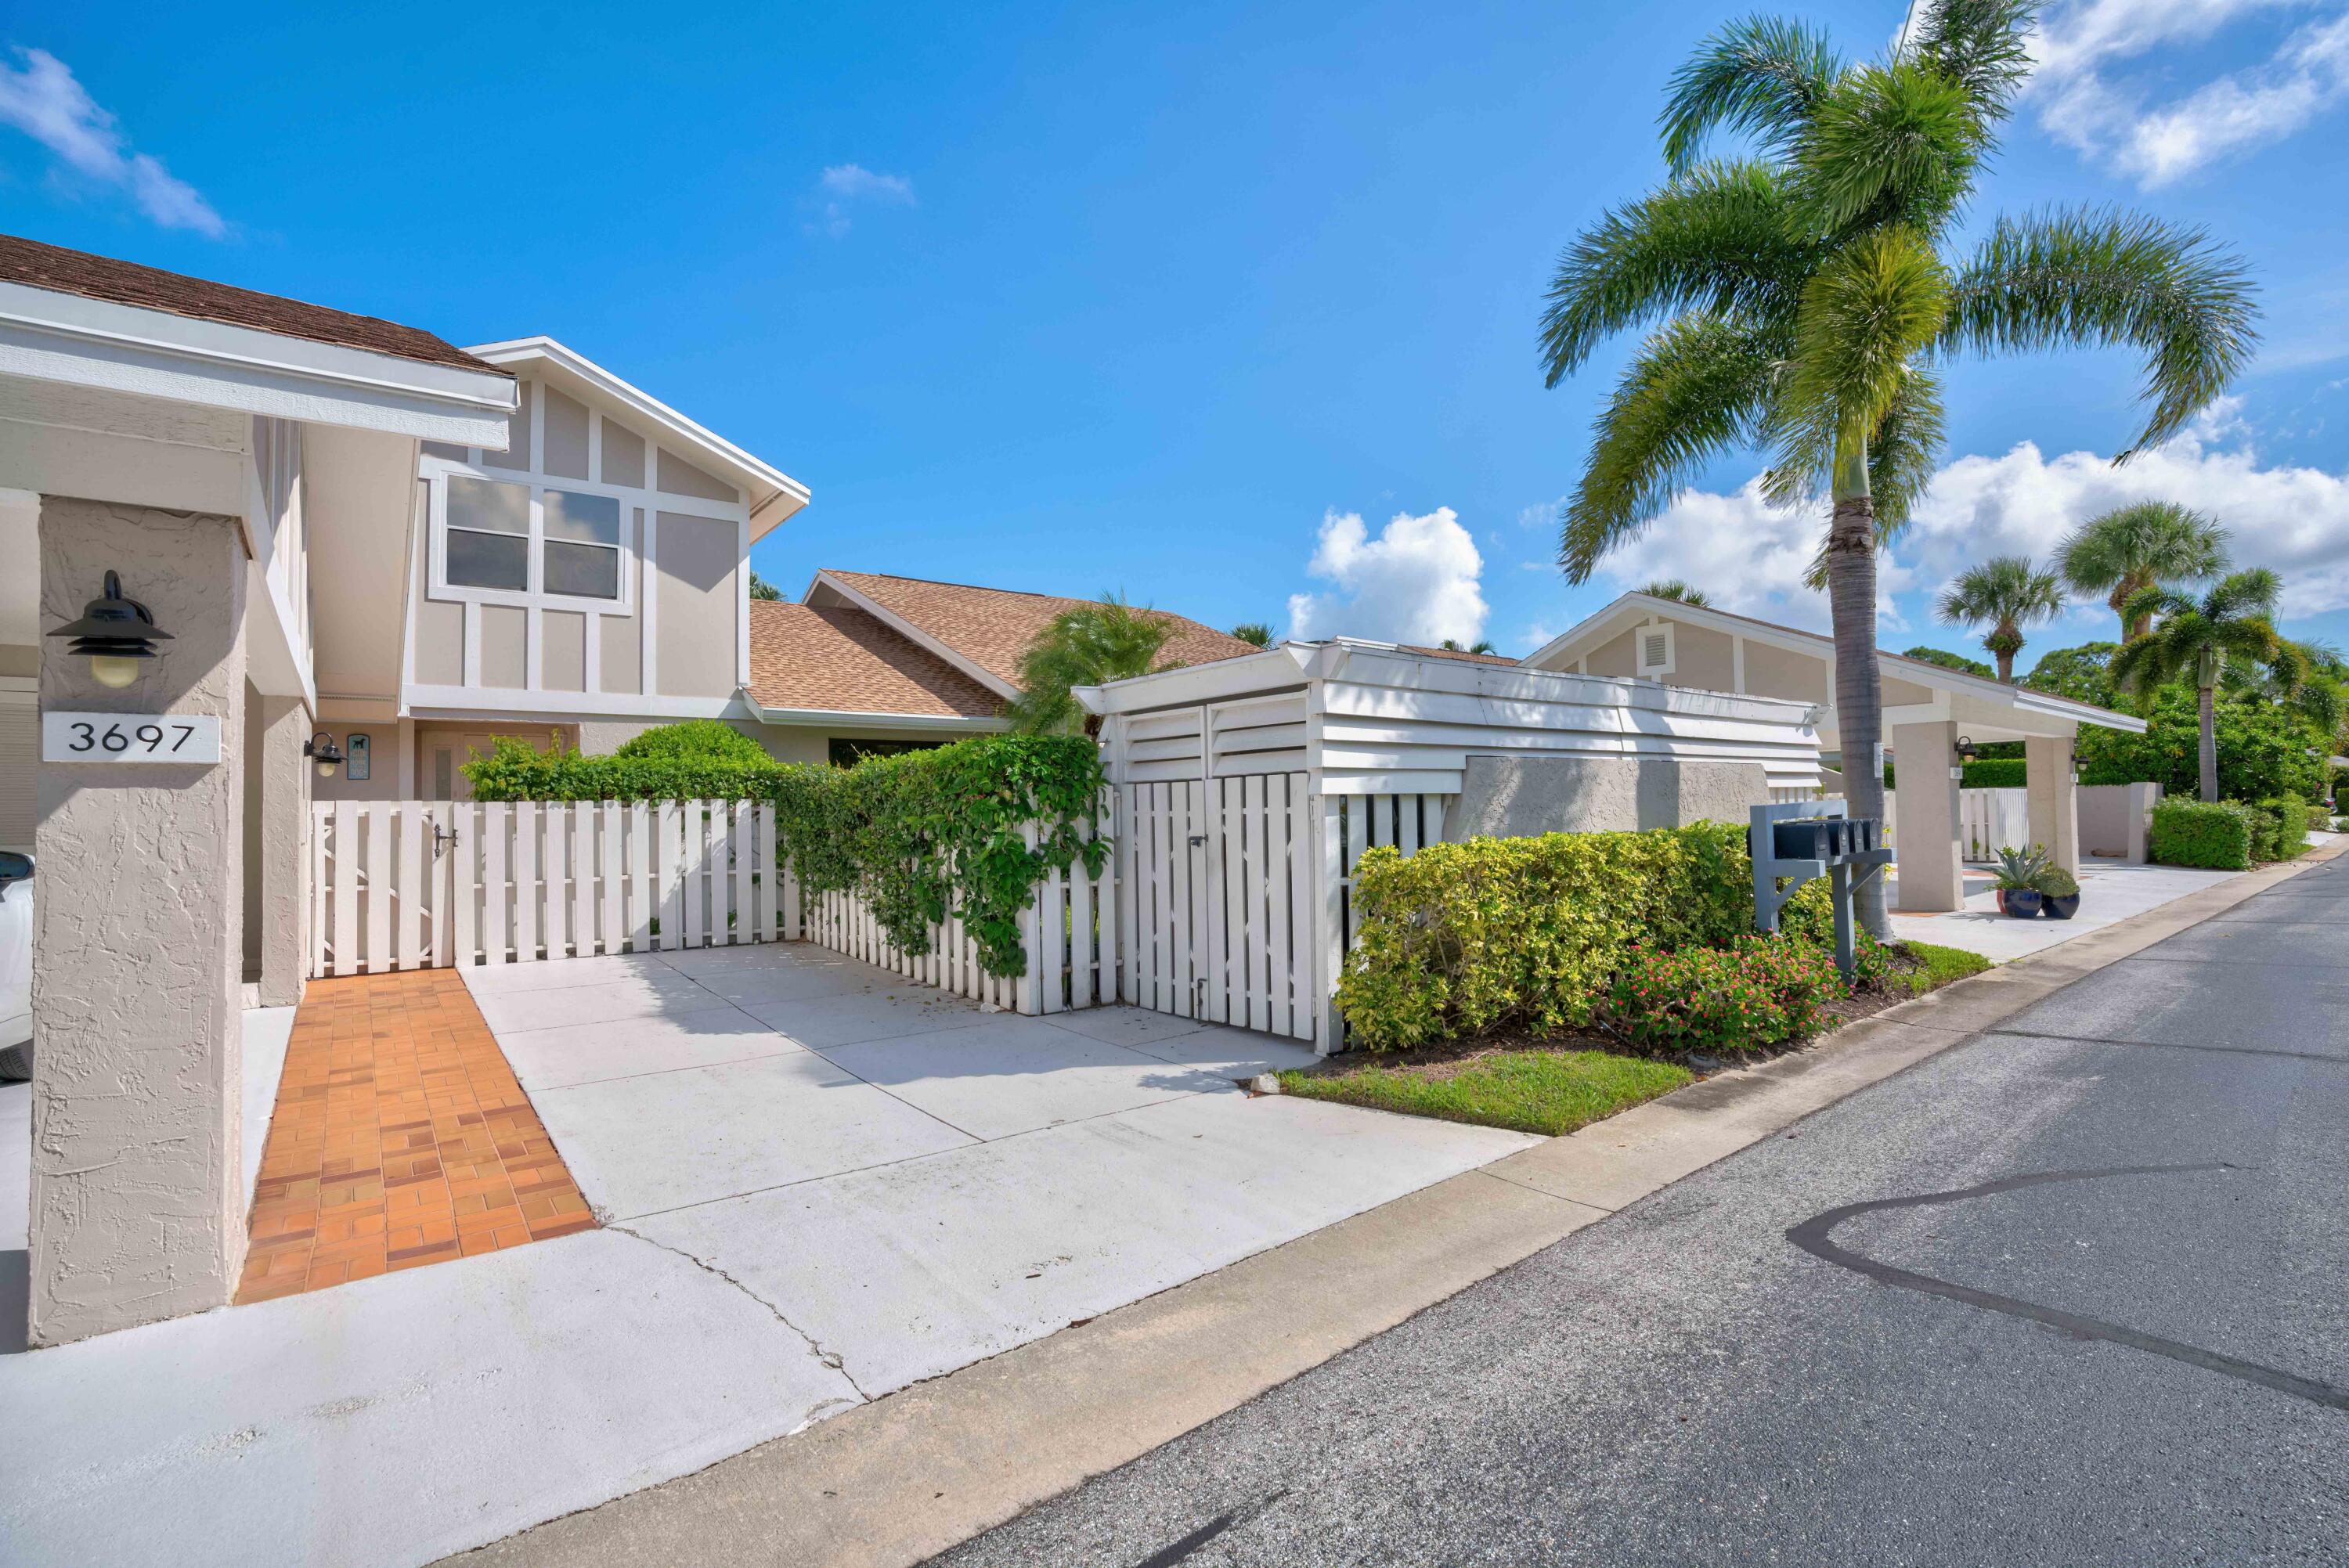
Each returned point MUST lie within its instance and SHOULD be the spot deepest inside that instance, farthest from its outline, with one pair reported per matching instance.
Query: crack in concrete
(815, 1347)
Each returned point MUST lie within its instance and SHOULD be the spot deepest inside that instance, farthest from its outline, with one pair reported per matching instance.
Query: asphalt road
(2075, 1292)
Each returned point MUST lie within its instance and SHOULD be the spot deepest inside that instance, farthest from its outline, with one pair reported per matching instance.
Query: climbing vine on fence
(919, 837)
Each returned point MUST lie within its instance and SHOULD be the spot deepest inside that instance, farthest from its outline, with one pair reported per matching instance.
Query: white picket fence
(1990, 821)
(408, 884)
(525, 881)
(1069, 934)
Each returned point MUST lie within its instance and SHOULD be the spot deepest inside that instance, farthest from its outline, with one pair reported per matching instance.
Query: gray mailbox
(1796, 840)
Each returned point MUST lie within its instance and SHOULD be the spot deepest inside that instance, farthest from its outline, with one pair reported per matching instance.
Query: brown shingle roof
(992, 627)
(844, 660)
(37, 266)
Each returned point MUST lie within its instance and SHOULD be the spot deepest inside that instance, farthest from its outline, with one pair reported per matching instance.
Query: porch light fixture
(1967, 750)
(321, 747)
(116, 633)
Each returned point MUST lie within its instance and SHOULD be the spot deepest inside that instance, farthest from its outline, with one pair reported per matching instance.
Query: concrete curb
(895, 1481)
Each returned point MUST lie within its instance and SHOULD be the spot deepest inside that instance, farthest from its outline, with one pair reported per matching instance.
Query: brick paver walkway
(401, 1137)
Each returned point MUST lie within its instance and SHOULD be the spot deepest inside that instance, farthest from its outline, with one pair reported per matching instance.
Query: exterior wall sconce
(321, 748)
(116, 634)
(1967, 752)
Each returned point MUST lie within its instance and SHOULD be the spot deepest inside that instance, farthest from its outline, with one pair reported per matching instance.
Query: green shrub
(1754, 992)
(1994, 773)
(918, 836)
(2054, 882)
(2198, 833)
(2289, 840)
(2320, 817)
(706, 739)
(1527, 934)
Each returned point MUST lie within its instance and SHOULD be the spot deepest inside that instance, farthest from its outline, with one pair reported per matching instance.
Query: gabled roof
(841, 660)
(984, 631)
(1634, 607)
(37, 266)
(774, 495)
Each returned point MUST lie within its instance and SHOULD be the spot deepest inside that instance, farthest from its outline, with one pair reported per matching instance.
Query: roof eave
(774, 495)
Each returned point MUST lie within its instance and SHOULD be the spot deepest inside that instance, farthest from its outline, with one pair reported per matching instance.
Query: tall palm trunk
(2131, 585)
(1859, 685)
(2206, 683)
(2005, 657)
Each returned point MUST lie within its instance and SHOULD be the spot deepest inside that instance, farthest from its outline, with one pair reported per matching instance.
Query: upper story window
(489, 534)
(581, 550)
(515, 541)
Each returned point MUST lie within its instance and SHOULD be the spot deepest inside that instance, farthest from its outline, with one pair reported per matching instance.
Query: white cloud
(42, 98)
(1415, 582)
(843, 184)
(2087, 97)
(1747, 555)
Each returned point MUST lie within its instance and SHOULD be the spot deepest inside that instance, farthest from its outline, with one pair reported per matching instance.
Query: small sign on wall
(130, 737)
(357, 767)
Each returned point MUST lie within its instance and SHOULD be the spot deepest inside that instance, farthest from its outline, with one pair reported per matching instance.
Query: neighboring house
(1927, 710)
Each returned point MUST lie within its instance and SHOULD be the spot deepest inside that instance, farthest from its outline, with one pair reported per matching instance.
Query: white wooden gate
(408, 884)
(1237, 906)
(1990, 821)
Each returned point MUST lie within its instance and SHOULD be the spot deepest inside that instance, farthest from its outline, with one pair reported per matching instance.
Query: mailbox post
(1796, 840)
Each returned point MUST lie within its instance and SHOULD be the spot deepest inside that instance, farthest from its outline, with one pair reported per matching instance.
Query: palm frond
(1864, 315)
(2146, 541)
(1085, 645)
(1904, 449)
(1983, 45)
(2093, 279)
(2244, 594)
(1761, 76)
(1695, 389)
(1893, 144)
(2004, 590)
(1714, 240)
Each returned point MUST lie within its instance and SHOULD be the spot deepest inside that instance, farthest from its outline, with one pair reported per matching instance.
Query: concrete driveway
(817, 1184)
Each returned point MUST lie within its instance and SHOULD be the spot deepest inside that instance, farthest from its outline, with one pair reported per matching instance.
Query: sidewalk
(2108, 895)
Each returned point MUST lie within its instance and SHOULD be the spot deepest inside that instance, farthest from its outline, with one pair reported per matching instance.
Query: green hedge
(1994, 773)
(2288, 838)
(2219, 836)
(708, 738)
(917, 835)
(1527, 933)
(2263, 750)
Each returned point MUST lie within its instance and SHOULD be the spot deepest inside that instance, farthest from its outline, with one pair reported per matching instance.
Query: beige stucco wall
(1703, 658)
(1513, 796)
(1925, 801)
(1779, 672)
(564, 455)
(2053, 798)
(284, 787)
(505, 632)
(1901, 694)
(563, 656)
(137, 1207)
(698, 559)
(1613, 657)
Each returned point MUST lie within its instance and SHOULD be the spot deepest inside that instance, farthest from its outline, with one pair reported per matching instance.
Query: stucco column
(137, 1200)
(2055, 798)
(284, 841)
(1925, 804)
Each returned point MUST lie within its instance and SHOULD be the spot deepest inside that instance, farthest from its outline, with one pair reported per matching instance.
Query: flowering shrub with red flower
(1750, 994)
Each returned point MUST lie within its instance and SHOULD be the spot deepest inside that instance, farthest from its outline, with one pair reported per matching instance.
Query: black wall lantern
(116, 633)
(321, 748)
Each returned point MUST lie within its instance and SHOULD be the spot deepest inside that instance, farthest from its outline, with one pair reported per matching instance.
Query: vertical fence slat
(321, 815)
(346, 887)
(465, 880)
(497, 904)
(608, 863)
(528, 871)
(1279, 955)
(746, 918)
(671, 848)
(439, 861)
(408, 885)
(639, 875)
(1253, 874)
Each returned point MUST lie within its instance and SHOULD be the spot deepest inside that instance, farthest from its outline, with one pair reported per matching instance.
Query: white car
(16, 965)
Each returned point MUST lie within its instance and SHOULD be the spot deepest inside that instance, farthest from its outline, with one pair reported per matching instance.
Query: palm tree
(2229, 622)
(2007, 592)
(763, 589)
(1255, 631)
(2128, 549)
(1673, 588)
(1481, 645)
(1801, 302)
(2307, 679)
(1083, 645)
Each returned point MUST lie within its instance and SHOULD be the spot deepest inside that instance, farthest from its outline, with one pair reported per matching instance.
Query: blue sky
(1191, 302)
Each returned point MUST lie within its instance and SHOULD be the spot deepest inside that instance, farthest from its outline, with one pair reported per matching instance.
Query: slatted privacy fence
(409, 883)
(1990, 821)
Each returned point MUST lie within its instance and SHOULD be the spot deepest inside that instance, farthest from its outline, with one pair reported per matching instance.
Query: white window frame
(1640, 664)
(436, 472)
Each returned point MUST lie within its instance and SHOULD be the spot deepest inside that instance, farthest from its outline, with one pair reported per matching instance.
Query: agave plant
(2022, 867)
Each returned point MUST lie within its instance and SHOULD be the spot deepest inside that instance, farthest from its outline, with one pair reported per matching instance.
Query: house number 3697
(129, 737)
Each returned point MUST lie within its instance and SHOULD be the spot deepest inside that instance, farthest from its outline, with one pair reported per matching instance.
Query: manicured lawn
(1937, 968)
(1525, 1090)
